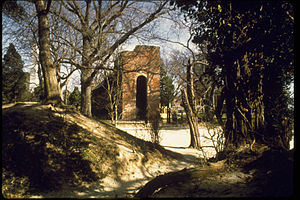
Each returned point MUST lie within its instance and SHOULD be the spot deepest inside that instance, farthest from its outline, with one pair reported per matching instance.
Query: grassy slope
(44, 150)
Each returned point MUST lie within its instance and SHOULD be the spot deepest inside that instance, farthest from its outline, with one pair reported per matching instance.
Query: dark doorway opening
(141, 98)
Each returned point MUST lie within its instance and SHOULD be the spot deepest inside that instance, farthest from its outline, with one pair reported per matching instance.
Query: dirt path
(139, 162)
(269, 174)
(136, 169)
(122, 187)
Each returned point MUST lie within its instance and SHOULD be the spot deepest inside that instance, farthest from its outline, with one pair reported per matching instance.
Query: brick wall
(142, 61)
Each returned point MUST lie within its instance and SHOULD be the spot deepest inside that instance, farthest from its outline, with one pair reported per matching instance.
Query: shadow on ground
(50, 155)
(42, 152)
(146, 146)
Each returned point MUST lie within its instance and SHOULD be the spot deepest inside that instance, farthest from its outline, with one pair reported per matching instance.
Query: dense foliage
(250, 48)
(15, 82)
(75, 98)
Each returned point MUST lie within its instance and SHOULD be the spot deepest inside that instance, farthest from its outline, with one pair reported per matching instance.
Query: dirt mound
(57, 152)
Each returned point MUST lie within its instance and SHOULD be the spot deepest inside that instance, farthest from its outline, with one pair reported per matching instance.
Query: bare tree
(114, 92)
(52, 88)
(25, 32)
(189, 103)
(104, 26)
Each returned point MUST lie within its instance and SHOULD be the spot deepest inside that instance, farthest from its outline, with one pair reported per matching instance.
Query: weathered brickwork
(140, 86)
(142, 61)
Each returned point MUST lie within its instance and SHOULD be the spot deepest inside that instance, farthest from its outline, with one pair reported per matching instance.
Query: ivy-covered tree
(15, 82)
(249, 46)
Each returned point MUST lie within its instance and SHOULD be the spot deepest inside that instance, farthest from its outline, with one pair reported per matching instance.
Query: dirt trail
(267, 174)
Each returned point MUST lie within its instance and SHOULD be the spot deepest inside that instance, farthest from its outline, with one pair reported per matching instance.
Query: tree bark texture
(52, 89)
(244, 100)
(86, 77)
(189, 103)
(86, 92)
(193, 122)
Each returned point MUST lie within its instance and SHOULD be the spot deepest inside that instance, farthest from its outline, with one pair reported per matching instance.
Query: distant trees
(249, 46)
(15, 82)
(75, 97)
(167, 90)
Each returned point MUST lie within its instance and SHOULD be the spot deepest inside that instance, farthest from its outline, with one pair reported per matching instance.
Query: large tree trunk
(86, 77)
(52, 89)
(86, 92)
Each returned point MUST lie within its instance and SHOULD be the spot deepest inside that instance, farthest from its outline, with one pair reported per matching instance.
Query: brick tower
(140, 83)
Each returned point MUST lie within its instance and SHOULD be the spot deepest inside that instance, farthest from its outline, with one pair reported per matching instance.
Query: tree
(190, 104)
(279, 72)
(27, 29)
(52, 88)
(114, 91)
(15, 82)
(75, 97)
(104, 26)
(166, 88)
(167, 91)
(242, 40)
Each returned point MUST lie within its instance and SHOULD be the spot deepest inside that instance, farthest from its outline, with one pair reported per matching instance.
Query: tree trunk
(86, 92)
(189, 103)
(192, 120)
(86, 78)
(52, 89)
(53, 93)
(244, 101)
(230, 132)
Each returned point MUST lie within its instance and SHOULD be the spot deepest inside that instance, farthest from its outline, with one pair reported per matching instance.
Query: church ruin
(139, 85)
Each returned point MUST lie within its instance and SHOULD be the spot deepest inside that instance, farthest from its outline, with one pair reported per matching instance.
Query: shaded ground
(60, 153)
(268, 173)
(53, 152)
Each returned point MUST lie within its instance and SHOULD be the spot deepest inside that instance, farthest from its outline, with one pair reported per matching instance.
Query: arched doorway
(141, 97)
